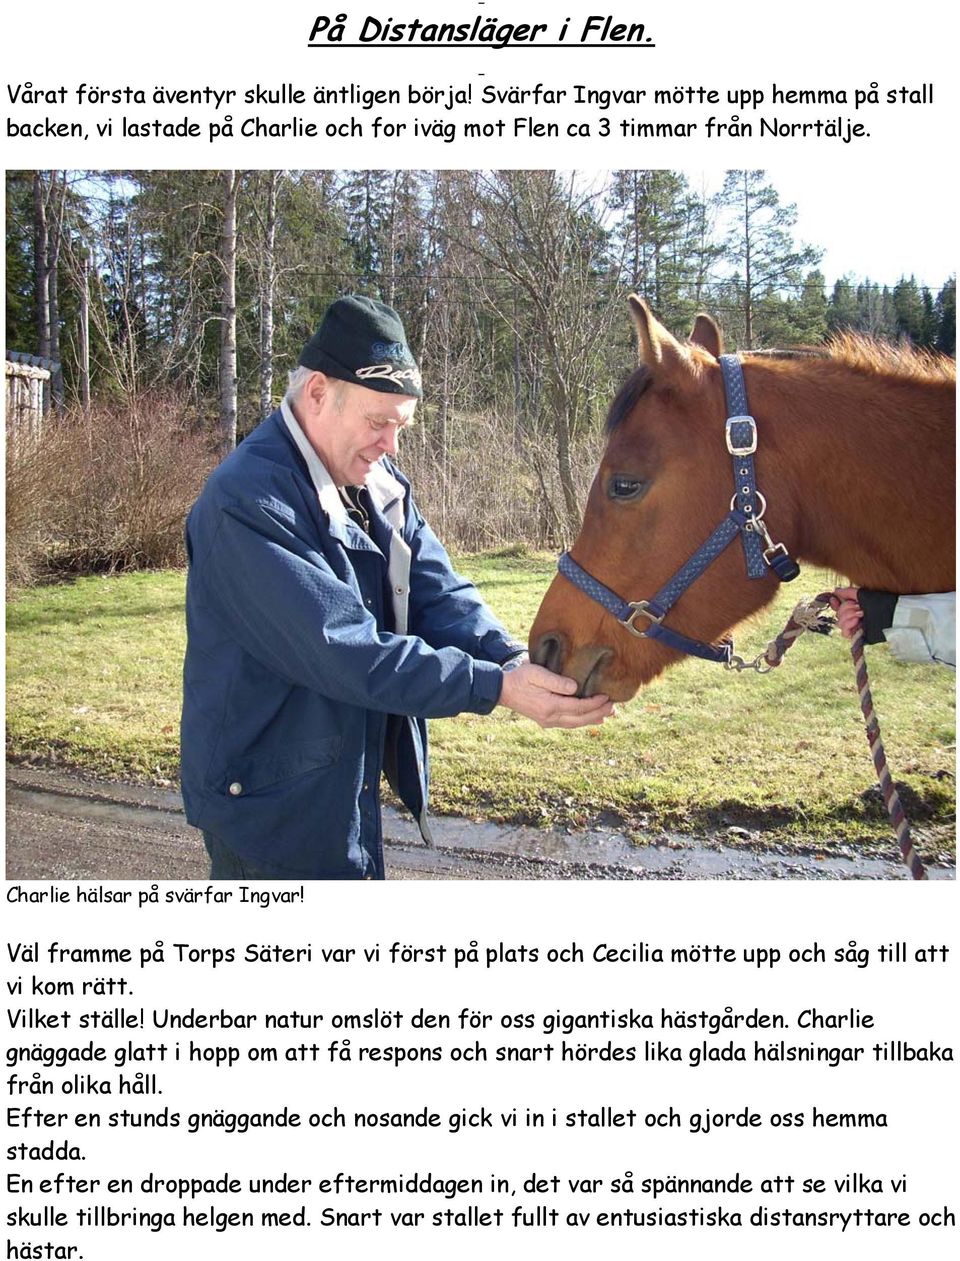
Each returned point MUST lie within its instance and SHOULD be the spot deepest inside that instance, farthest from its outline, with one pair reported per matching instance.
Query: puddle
(611, 855)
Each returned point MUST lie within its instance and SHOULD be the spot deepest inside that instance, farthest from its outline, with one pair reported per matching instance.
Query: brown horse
(855, 460)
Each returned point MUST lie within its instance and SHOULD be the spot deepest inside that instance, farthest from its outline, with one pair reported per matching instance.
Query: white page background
(900, 181)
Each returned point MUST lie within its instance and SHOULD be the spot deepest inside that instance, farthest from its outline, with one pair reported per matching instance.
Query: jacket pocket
(253, 774)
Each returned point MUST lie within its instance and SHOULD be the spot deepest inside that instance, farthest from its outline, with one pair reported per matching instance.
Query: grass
(93, 674)
(93, 681)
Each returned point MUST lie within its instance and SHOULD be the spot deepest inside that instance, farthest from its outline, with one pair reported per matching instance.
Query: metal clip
(761, 528)
(773, 549)
(775, 554)
(759, 665)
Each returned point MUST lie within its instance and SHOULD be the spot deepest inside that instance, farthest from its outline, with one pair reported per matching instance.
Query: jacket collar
(385, 490)
(327, 493)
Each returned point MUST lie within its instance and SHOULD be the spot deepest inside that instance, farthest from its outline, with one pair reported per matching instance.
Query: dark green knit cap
(363, 341)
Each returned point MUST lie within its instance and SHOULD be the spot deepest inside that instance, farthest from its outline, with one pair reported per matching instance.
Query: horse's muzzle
(585, 665)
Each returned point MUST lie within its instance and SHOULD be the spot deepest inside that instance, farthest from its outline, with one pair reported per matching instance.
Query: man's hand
(848, 611)
(549, 699)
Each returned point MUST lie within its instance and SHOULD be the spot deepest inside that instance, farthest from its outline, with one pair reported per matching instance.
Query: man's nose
(389, 440)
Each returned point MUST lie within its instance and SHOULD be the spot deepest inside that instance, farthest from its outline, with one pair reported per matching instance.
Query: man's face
(351, 427)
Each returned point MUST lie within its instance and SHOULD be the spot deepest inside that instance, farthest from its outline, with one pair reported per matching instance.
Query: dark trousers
(226, 865)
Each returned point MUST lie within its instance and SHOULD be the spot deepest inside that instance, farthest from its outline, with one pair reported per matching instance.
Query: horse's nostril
(548, 652)
(589, 686)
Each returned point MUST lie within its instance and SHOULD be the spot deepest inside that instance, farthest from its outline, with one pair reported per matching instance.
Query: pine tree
(843, 313)
(908, 309)
(20, 287)
(660, 230)
(760, 244)
(946, 310)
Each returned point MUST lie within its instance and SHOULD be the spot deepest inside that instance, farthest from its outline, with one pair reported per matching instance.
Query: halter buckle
(741, 420)
(640, 606)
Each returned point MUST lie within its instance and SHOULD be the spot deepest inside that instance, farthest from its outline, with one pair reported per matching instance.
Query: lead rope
(809, 616)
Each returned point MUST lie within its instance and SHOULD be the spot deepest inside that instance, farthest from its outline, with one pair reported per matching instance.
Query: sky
(863, 227)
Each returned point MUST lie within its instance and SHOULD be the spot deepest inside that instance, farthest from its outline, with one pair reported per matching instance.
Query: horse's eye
(624, 488)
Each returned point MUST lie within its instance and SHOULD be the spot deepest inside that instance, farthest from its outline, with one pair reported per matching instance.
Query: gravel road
(64, 827)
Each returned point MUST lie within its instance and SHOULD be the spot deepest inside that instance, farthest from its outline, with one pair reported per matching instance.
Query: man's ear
(315, 389)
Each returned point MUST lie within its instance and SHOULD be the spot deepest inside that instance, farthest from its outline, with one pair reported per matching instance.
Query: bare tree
(83, 288)
(228, 314)
(268, 281)
(58, 197)
(41, 268)
(538, 234)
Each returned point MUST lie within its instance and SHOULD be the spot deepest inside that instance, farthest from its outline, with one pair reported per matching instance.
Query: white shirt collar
(327, 492)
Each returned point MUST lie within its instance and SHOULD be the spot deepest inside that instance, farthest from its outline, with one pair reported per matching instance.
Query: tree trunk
(748, 277)
(54, 238)
(565, 469)
(637, 275)
(228, 316)
(41, 270)
(391, 295)
(267, 295)
(564, 396)
(85, 333)
(563, 409)
(517, 373)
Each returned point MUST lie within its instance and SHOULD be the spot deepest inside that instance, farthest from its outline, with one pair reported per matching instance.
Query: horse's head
(663, 484)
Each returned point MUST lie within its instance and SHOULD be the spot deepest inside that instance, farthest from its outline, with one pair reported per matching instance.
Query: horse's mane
(871, 355)
(629, 394)
(867, 355)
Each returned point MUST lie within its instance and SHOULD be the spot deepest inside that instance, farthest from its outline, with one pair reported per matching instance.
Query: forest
(172, 304)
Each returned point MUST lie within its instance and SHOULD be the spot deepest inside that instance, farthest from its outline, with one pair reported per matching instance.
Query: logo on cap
(397, 351)
(389, 372)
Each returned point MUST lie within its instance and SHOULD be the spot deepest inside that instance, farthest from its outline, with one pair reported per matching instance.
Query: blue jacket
(297, 694)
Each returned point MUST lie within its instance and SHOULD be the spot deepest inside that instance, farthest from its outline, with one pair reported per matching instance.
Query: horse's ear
(655, 345)
(707, 334)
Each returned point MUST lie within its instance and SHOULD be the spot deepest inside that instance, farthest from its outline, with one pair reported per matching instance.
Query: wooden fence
(25, 380)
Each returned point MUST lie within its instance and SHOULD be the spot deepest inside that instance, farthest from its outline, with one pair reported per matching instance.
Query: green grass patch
(93, 681)
(94, 674)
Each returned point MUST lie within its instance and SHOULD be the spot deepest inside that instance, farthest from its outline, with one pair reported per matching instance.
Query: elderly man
(325, 624)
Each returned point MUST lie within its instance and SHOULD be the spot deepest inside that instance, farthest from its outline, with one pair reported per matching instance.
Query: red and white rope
(810, 615)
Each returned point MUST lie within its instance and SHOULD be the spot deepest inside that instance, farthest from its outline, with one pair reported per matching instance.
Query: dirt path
(63, 827)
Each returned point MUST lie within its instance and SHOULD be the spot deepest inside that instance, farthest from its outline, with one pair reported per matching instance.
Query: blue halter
(744, 518)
